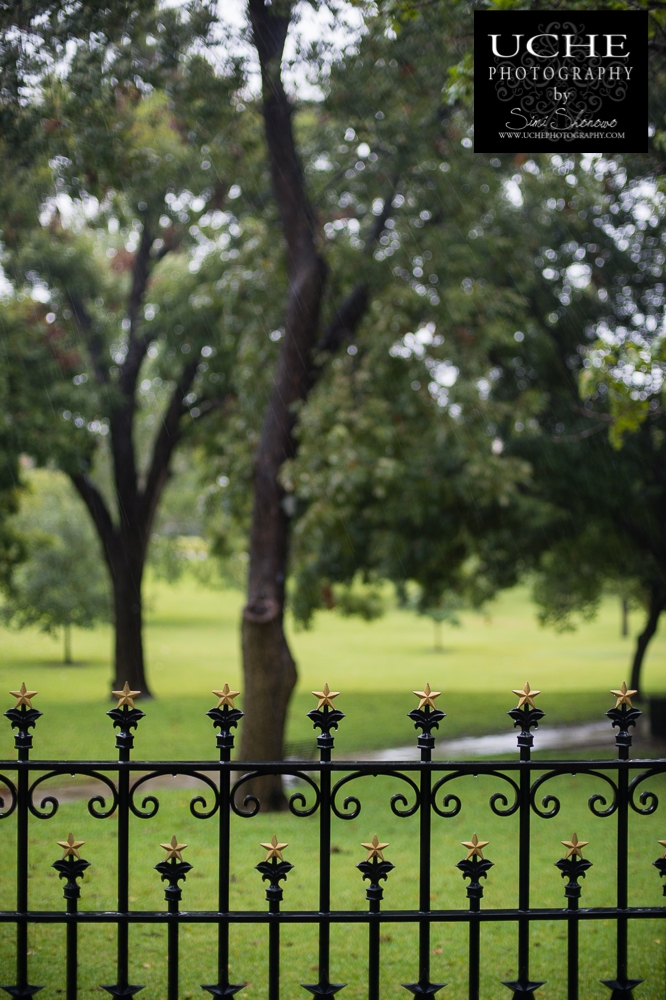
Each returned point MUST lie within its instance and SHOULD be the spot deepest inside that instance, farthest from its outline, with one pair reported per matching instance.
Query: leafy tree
(511, 468)
(62, 582)
(116, 163)
(598, 273)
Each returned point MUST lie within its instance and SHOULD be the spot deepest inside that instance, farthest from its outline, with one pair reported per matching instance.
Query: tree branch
(94, 342)
(165, 442)
(593, 414)
(588, 432)
(136, 346)
(99, 512)
(346, 319)
(122, 414)
(269, 31)
(351, 310)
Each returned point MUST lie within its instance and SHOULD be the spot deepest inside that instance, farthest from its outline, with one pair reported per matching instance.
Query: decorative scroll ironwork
(648, 799)
(424, 792)
(6, 811)
(397, 798)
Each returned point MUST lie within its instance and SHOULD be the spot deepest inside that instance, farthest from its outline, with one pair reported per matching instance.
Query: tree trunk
(125, 545)
(656, 606)
(270, 676)
(269, 668)
(67, 635)
(625, 616)
(128, 613)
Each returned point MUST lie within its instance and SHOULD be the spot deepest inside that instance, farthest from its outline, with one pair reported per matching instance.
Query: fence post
(173, 870)
(573, 866)
(623, 716)
(125, 717)
(71, 866)
(527, 716)
(375, 868)
(325, 717)
(23, 718)
(225, 717)
(425, 717)
(274, 870)
(474, 867)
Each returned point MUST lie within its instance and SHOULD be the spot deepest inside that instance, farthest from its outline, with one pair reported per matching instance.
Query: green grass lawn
(192, 646)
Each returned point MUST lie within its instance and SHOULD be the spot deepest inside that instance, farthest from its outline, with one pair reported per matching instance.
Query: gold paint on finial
(274, 849)
(173, 849)
(226, 696)
(663, 844)
(427, 697)
(474, 847)
(23, 696)
(326, 697)
(624, 695)
(70, 847)
(574, 846)
(125, 697)
(374, 849)
(526, 696)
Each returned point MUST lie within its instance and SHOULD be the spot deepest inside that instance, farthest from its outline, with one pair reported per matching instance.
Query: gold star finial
(427, 697)
(526, 696)
(23, 696)
(173, 849)
(326, 697)
(274, 849)
(226, 696)
(624, 695)
(574, 846)
(663, 844)
(474, 847)
(70, 847)
(125, 697)
(375, 849)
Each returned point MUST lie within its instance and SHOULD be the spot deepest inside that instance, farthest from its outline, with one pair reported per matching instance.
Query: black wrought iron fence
(426, 792)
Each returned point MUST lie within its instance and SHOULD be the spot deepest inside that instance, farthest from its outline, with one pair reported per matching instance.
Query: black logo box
(560, 81)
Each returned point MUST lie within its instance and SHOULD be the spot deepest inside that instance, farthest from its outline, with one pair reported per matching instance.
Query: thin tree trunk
(625, 616)
(67, 635)
(656, 606)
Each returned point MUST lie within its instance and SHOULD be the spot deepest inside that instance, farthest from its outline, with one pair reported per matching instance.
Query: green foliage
(464, 442)
(366, 601)
(172, 558)
(62, 582)
(130, 152)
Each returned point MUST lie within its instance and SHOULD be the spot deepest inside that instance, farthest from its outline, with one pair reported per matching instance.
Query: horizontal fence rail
(425, 789)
